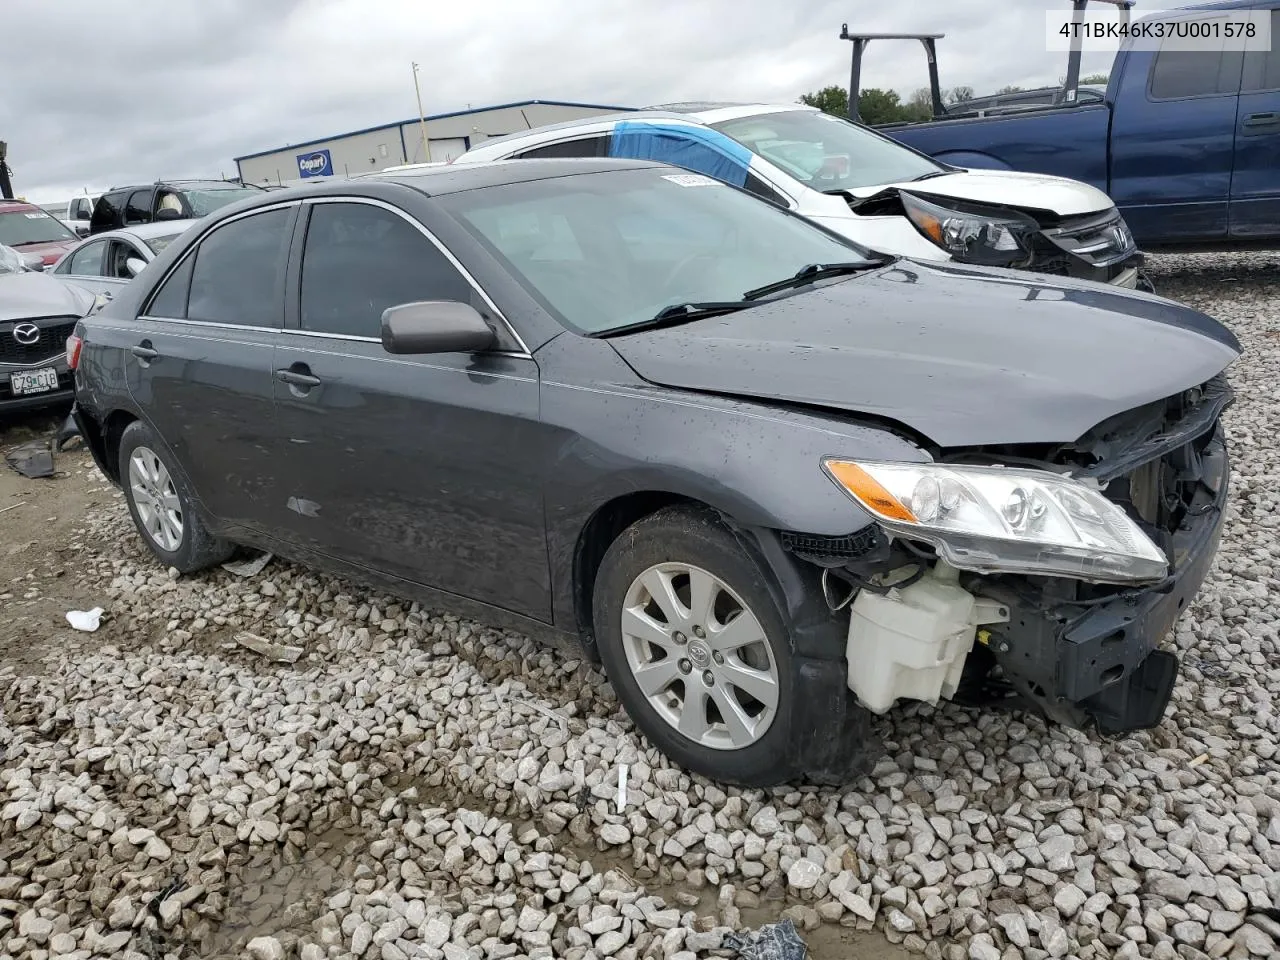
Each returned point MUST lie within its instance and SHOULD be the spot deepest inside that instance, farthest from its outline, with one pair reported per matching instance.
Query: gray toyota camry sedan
(776, 483)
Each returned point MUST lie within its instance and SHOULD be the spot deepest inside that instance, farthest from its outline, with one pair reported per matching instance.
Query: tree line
(876, 106)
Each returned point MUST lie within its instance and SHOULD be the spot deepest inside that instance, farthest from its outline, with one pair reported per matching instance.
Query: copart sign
(318, 163)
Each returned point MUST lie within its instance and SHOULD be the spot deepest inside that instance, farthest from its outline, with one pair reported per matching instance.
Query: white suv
(862, 184)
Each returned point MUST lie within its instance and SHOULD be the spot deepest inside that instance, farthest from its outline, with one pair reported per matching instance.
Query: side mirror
(82, 214)
(134, 265)
(33, 262)
(168, 213)
(435, 326)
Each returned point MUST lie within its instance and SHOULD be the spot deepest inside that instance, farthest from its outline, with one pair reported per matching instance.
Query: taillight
(74, 344)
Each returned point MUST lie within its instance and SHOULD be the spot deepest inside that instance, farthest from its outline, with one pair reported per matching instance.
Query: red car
(28, 229)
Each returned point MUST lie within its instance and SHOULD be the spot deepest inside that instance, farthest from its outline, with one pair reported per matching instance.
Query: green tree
(1098, 78)
(880, 106)
(958, 94)
(920, 106)
(1009, 89)
(832, 100)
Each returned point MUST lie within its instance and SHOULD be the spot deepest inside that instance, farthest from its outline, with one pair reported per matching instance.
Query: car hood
(49, 250)
(1024, 191)
(25, 296)
(964, 355)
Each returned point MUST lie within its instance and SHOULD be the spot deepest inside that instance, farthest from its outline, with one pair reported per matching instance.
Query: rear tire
(162, 505)
(715, 691)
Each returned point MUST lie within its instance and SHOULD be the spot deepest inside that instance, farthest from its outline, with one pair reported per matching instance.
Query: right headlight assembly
(1004, 520)
(990, 238)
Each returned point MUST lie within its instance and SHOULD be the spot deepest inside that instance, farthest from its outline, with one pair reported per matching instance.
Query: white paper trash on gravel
(86, 620)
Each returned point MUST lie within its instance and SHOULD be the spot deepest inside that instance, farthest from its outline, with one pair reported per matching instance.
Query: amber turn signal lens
(869, 492)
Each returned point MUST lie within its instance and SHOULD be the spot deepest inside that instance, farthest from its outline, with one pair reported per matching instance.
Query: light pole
(422, 120)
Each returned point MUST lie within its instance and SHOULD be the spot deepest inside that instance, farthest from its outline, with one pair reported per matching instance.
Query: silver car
(37, 314)
(106, 261)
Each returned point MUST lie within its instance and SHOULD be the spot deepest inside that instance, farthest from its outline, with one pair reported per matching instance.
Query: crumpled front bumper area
(1096, 662)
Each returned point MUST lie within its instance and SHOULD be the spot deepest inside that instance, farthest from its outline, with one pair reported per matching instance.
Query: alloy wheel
(700, 656)
(156, 499)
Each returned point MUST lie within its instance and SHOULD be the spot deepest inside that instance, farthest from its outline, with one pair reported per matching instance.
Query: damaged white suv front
(861, 184)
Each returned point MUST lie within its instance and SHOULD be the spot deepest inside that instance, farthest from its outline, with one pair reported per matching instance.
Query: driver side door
(421, 467)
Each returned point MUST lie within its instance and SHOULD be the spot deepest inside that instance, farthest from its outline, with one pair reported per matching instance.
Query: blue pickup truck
(1187, 143)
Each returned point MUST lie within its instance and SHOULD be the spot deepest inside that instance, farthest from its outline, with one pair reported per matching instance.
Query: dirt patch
(42, 536)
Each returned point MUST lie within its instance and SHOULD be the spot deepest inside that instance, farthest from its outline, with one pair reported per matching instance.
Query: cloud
(99, 94)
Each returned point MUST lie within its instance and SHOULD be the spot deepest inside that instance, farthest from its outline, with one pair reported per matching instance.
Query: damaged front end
(1066, 619)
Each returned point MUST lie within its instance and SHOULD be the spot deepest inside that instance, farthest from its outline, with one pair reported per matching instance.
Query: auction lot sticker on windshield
(36, 216)
(691, 179)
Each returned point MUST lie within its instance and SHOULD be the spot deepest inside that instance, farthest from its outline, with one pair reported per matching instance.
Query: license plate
(33, 381)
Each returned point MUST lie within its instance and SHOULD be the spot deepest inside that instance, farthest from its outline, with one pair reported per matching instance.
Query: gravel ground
(422, 786)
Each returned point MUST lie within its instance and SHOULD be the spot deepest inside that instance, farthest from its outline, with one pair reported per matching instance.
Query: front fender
(757, 463)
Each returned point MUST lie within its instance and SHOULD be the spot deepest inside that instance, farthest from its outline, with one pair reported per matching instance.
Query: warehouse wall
(360, 153)
(375, 149)
(483, 124)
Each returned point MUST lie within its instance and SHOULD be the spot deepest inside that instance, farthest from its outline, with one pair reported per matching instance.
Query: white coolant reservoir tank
(912, 642)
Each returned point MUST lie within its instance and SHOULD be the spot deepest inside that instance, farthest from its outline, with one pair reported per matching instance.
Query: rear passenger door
(84, 268)
(1255, 183)
(202, 358)
(404, 464)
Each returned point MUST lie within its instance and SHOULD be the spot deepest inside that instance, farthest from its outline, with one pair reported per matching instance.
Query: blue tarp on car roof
(700, 149)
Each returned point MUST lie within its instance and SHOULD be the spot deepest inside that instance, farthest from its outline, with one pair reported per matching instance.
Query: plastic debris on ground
(248, 568)
(33, 460)
(265, 648)
(66, 433)
(86, 620)
(773, 941)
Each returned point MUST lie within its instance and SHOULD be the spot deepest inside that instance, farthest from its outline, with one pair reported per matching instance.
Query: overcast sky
(97, 93)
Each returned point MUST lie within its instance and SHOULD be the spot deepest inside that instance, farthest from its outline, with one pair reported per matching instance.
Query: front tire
(161, 504)
(696, 647)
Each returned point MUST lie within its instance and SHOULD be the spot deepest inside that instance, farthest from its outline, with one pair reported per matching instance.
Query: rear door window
(138, 209)
(1177, 74)
(170, 301)
(239, 271)
(85, 262)
(108, 211)
(359, 260)
(597, 146)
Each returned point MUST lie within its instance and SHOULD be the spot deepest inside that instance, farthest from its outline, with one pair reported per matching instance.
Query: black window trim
(145, 314)
(523, 352)
(1155, 58)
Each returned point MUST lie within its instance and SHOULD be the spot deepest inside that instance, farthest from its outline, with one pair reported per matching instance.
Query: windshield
(826, 152)
(31, 226)
(204, 202)
(607, 250)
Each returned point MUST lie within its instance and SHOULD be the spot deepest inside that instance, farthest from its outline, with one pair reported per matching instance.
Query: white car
(861, 184)
(106, 261)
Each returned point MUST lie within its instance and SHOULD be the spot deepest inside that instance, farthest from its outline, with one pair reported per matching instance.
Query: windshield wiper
(812, 273)
(931, 175)
(678, 313)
